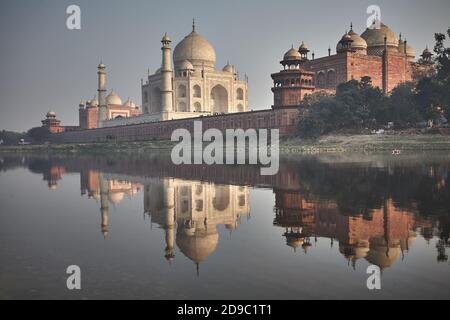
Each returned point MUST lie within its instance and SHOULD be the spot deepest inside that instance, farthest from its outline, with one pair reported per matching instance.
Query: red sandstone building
(376, 53)
(88, 112)
(52, 123)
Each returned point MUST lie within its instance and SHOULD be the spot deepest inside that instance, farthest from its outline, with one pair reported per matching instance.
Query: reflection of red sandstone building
(380, 240)
(53, 175)
(377, 53)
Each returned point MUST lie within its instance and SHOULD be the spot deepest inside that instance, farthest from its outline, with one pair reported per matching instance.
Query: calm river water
(141, 228)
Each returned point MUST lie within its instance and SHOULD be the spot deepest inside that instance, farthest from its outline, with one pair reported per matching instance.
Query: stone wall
(283, 119)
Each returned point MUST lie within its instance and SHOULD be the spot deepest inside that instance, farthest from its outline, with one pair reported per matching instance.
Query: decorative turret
(303, 50)
(345, 44)
(427, 56)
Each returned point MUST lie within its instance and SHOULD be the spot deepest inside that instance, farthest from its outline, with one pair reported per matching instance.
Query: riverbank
(367, 144)
(288, 146)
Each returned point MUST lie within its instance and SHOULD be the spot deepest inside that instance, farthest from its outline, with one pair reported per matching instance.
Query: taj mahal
(188, 87)
(197, 86)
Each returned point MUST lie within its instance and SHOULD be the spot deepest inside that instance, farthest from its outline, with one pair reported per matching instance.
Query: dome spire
(193, 24)
(351, 26)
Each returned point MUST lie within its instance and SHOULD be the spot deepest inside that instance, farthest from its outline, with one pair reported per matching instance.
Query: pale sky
(44, 66)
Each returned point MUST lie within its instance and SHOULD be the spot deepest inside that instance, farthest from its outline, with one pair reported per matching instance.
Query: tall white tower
(102, 107)
(167, 89)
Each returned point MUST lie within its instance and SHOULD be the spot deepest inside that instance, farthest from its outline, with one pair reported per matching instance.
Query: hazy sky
(44, 66)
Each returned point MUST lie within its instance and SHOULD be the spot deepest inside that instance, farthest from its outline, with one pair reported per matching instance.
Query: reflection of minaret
(104, 206)
(170, 224)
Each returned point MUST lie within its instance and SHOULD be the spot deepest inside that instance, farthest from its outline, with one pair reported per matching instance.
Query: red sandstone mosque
(172, 99)
(376, 53)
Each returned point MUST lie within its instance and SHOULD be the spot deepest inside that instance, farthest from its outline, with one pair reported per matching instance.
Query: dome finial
(351, 26)
(193, 24)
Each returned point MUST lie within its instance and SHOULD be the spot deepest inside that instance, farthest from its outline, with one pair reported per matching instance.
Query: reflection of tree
(358, 190)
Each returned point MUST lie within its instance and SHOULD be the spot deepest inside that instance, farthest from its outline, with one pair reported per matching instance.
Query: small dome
(113, 98)
(358, 42)
(101, 66)
(375, 37)
(186, 65)
(291, 55)
(93, 102)
(228, 68)
(294, 242)
(116, 198)
(51, 114)
(129, 103)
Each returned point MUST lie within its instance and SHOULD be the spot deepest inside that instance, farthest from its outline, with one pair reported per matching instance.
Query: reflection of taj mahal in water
(191, 211)
(195, 209)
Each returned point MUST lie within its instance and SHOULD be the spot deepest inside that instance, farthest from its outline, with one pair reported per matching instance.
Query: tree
(403, 108)
(11, 138)
(38, 134)
(443, 71)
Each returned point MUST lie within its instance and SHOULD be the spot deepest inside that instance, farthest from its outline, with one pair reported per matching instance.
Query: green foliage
(38, 134)
(352, 107)
(403, 108)
(442, 77)
(11, 138)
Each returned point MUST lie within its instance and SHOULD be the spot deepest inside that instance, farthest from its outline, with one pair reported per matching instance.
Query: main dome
(197, 50)
(375, 37)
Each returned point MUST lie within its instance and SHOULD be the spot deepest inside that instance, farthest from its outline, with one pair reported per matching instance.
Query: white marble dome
(93, 102)
(195, 49)
(113, 98)
(185, 65)
(229, 68)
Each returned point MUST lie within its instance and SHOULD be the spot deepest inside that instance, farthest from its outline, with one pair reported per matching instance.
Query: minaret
(102, 108)
(166, 90)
